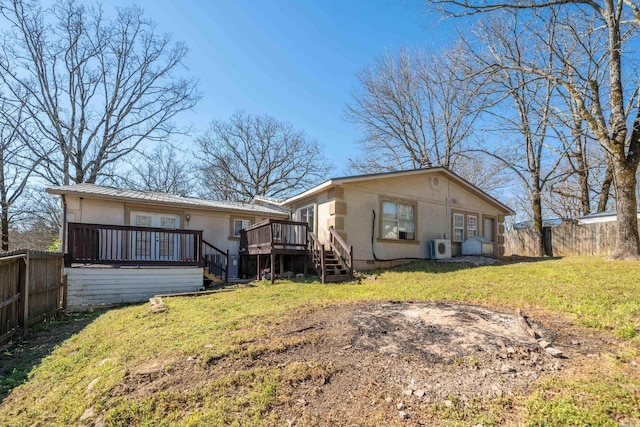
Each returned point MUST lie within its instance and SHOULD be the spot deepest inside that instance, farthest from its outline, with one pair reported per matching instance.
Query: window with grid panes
(398, 221)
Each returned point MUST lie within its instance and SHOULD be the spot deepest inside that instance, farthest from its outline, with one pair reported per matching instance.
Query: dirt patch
(382, 363)
(437, 332)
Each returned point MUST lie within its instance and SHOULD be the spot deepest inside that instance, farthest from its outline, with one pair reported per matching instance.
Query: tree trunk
(628, 244)
(4, 219)
(536, 205)
(605, 190)
(583, 173)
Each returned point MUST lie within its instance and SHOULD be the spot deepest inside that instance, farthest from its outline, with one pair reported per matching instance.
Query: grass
(82, 374)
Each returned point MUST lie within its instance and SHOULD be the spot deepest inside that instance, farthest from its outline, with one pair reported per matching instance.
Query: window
(142, 238)
(276, 229)
(398, 221)
(167, 240)
(307, 214)
(458, 227)
(240, 224)
(472, 226)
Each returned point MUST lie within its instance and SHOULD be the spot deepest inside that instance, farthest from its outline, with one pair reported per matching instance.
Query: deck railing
(130, 245)
(318, 256)
(275, 234)
(344, 251)
(216, 260)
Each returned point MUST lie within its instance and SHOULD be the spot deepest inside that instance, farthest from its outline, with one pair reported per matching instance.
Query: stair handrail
(344, 251)
(318, 255)
(223, 267)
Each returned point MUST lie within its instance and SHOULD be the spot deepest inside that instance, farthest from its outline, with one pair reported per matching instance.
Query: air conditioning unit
(439, 248)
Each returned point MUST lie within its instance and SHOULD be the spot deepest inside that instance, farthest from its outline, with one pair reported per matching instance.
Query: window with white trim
(458, 227)
(398, 221)
(240, 224)
(472, 226)
(307, 214)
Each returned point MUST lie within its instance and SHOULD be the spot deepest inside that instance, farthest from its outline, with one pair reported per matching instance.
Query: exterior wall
(434, 212)
(94, 211)
(321, 205)
(94, 286)
(218, 227)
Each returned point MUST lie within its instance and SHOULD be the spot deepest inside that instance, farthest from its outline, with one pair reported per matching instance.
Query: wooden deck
(274, 237)
(279, 238)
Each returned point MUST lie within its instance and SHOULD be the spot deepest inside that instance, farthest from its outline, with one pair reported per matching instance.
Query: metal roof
(153, 197)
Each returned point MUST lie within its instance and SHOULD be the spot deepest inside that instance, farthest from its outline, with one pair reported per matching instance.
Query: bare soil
(387, 363)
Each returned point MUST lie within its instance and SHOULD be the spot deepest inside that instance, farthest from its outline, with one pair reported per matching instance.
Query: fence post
(25, 296)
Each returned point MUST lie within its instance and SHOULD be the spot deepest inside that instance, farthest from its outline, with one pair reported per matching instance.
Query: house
(390, 217)
(125, 245)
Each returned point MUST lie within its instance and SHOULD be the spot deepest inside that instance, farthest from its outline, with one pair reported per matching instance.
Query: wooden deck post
(304, 272)
(273, 267)
(258, 274)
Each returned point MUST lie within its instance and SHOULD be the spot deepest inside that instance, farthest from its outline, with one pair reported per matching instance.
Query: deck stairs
(335, 269)
(209, 278)
(334, 260)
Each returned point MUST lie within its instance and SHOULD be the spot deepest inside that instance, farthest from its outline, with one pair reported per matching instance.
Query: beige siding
(88, 287)
(434, 212)
(93, 211)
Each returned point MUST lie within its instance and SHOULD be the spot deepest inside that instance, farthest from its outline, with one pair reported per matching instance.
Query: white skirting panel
(89, 287)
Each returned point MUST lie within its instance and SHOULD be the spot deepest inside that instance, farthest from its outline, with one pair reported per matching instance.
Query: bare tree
(251, 155)
(97, 86)
(618, 131)
(163, 169)
(416, 110)
(523, 108)
(16, 162)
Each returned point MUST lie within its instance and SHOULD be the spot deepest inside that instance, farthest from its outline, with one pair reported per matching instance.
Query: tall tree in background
(16, 162)
(523, 110)
(251, 155)
(416, 110)
(161, 170)
(95, 86)
(618, 131)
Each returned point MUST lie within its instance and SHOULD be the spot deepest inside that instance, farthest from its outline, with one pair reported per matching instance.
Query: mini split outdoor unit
(439, 248)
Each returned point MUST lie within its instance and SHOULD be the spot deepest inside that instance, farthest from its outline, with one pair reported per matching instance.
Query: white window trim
(454, 228)
(243, 226)
(475, 229)
(312, 225)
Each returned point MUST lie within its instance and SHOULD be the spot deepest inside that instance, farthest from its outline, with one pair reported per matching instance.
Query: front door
(155, 245)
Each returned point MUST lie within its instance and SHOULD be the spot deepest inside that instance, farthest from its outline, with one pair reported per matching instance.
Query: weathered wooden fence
(31, 289)
(566, 239)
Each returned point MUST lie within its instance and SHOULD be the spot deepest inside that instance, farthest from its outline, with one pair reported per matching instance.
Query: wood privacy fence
(31, 289)
(565, 239)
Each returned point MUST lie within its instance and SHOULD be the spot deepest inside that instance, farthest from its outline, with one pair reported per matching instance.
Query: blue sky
(294, 60)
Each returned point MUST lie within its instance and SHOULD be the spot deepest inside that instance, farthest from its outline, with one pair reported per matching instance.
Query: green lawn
(85, 370)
